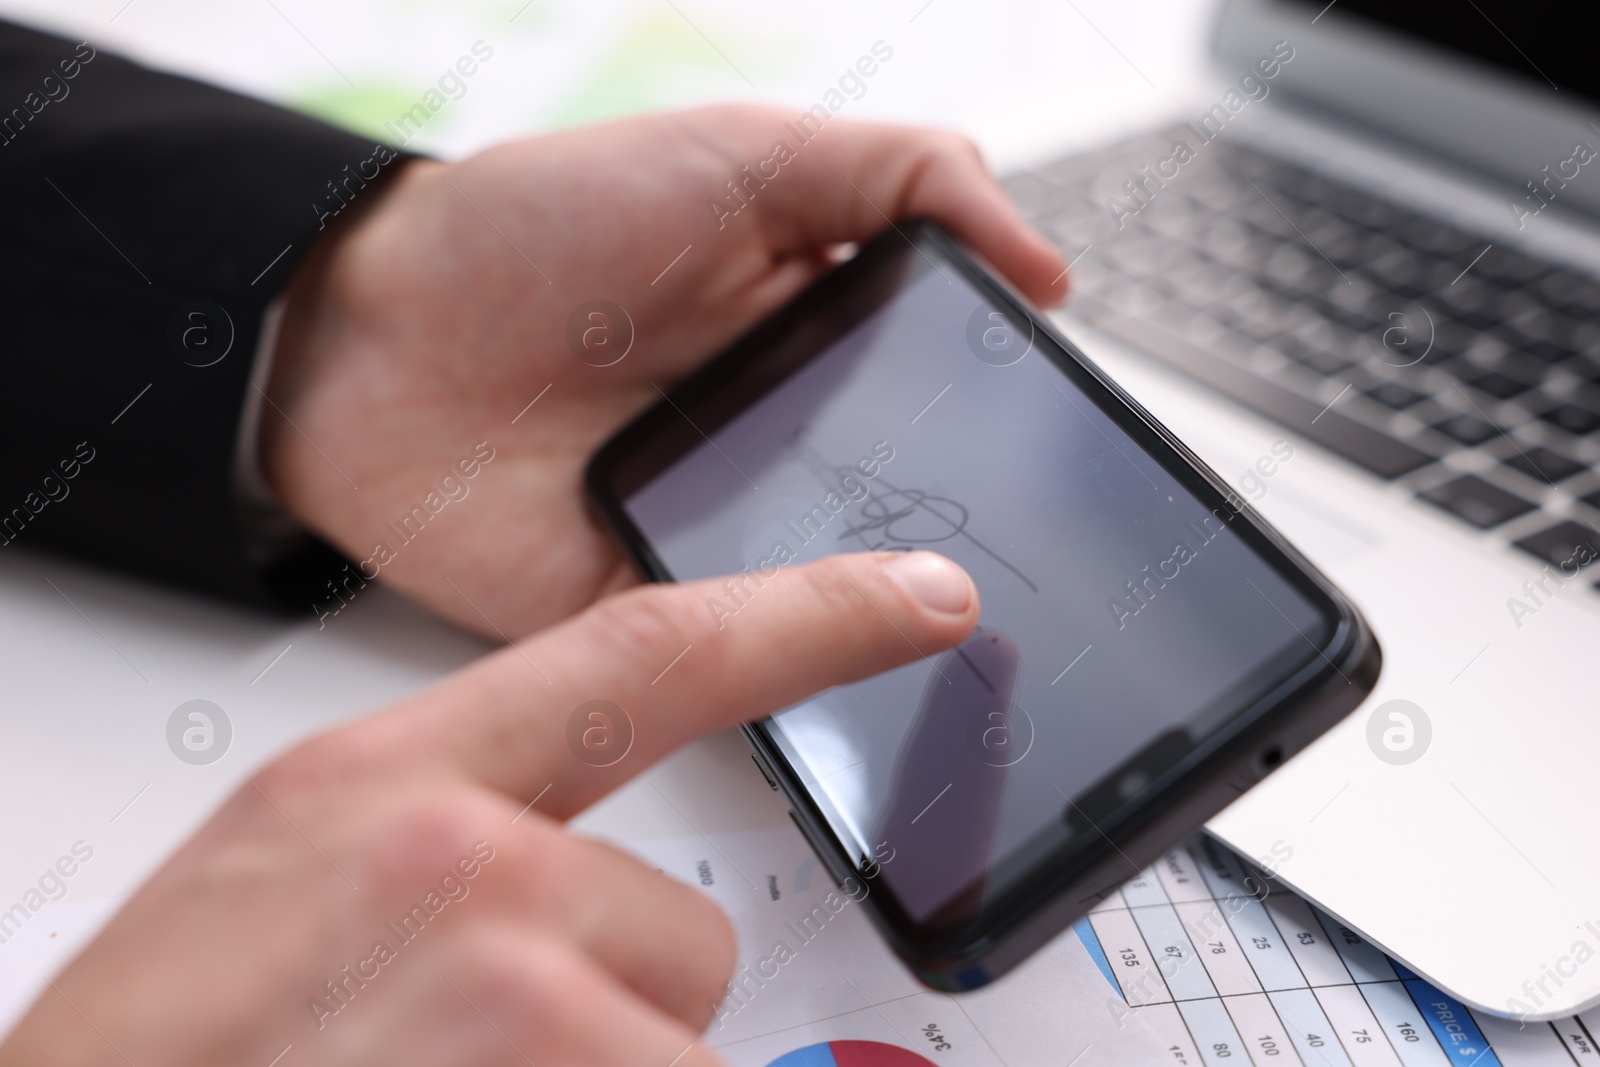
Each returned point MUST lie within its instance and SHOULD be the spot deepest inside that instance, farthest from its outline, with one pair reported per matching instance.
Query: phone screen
(1124, 622)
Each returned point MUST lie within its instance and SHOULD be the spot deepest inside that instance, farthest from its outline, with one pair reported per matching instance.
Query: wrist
(317, 334)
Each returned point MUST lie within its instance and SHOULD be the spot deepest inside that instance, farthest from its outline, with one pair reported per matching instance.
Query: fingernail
(936, 582)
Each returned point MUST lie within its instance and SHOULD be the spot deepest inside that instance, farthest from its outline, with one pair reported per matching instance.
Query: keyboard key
(1586, 301)
(1542, 324)
(1450, 339)
(1228, 237)
(1477, 320)
(1304, 185)
(1358, 294)
(1563, 287)
(1567, 545)
(1517, 365)
(1476, 297)
(1543, 465)
(1429, 235)
(1467, 370)
(1504, 265)
(1586, 367)
(1528, 311)
(1303, 272)
(1573, 419)
(1319, 228)
(1263, 216)
(1499, 385)
(1395, 395)
(1347, 248)
(1404, 271)
(1592, 499)
(1546, 352)
(1237, 159)
(1478, 502)
(1467, 428)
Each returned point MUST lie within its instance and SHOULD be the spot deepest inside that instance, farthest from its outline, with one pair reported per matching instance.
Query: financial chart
(851, 1054)
(1230, 968)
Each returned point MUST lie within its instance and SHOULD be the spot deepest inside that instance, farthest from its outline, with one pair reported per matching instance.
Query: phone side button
(761, 765)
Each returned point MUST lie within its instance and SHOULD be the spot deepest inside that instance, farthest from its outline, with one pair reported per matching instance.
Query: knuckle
(939, 145)
(962, 146)
(427, 839)
(642, 624)
(508, 973)
(534, 862)
(837, 584)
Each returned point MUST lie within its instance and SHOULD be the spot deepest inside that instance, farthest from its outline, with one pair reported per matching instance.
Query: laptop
(1376, 247)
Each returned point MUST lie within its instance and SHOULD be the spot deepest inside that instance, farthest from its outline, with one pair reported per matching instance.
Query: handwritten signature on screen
(914, 517)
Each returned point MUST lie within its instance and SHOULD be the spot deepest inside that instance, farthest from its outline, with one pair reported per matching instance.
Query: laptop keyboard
(1431, 356)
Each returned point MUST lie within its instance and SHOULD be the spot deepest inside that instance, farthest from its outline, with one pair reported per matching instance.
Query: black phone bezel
(1332, 680)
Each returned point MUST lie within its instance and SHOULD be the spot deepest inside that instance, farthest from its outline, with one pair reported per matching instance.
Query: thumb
(573, 712)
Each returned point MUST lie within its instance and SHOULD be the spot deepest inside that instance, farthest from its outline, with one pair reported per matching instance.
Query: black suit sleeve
(146, 223)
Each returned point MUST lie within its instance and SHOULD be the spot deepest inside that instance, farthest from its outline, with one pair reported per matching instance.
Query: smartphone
(1148, 646)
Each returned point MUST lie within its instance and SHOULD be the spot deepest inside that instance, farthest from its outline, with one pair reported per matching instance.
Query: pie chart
(851, 1054)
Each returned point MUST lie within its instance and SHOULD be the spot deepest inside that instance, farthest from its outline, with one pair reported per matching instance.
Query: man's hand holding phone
(439, 312)
(401, 890)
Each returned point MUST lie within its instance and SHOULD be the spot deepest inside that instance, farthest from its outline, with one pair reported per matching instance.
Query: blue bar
(1091, 942)
(1456, 1030)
